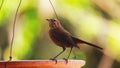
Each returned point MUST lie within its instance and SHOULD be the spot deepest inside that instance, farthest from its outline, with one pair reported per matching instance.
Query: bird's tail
(78, 41)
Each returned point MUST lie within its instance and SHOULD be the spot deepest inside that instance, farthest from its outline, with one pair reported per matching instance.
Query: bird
(61, 37)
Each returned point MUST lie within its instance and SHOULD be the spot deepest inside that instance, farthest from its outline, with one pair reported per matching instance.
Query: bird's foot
(53, 59)
(66, 60)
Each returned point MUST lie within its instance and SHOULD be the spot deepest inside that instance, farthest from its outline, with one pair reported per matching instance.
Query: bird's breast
(55, 35)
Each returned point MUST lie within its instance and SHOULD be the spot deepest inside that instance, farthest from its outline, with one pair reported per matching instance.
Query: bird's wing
(63, 37)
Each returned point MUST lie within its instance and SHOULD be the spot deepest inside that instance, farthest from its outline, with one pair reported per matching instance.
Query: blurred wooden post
(42, 64)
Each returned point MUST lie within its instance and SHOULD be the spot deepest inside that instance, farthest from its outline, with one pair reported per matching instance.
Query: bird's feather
(78, 41)
(62, 38)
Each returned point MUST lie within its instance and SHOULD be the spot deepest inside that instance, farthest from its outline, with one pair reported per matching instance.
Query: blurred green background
(96, 21)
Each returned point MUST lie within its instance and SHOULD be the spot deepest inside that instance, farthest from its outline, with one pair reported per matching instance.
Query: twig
(54, 9)
(10, 57)
(1, 4)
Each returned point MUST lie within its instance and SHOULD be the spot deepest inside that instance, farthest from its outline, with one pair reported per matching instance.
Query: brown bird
(63, 38)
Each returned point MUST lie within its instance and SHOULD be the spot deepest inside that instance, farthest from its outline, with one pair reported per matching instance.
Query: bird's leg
(66, 59)
(54, 58)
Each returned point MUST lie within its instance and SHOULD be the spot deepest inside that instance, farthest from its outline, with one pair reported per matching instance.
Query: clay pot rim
(41, 60)
(43, 63)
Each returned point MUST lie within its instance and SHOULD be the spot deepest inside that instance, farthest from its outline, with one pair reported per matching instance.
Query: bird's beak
(48, 19)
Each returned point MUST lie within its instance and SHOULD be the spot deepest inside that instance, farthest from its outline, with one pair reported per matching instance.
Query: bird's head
(54, 23)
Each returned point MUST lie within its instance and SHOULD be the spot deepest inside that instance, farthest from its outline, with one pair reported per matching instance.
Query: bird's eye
(54, 20)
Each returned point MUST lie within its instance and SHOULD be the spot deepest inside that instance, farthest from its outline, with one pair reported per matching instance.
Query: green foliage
(89, 20)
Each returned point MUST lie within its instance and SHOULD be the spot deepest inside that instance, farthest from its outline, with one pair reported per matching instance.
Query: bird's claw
(66, 60)
(53, 59)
